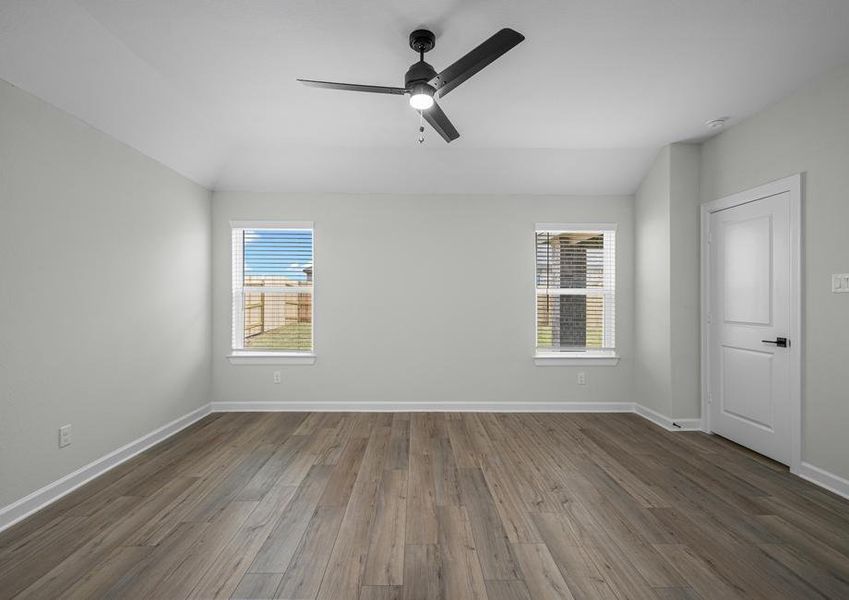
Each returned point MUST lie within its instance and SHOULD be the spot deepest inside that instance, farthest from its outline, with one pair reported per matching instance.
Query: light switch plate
(64, 436)
(840, 283)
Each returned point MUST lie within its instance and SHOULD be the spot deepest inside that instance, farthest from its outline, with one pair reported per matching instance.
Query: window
(273, 278)
(575, 291)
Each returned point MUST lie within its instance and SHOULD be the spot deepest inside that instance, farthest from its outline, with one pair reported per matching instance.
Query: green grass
(295, 337)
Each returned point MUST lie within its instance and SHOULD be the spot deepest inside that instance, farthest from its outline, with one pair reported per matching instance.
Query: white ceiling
(208, 87)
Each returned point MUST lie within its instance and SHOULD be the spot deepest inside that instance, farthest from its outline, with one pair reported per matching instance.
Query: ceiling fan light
(421, 97)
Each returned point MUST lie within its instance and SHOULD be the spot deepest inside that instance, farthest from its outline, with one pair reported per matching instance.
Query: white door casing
(751, 297)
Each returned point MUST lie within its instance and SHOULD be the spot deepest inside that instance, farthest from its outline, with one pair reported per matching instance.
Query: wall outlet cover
(64, 436)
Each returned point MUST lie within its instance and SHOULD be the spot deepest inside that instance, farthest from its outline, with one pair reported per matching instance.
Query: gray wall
(104, 293)
(666, 302)
(422, 298)
(807, 132)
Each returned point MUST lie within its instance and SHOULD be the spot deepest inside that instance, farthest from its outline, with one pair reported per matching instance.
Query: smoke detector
(716, 123)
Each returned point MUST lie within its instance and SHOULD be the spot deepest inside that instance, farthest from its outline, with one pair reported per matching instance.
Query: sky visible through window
(278, 252)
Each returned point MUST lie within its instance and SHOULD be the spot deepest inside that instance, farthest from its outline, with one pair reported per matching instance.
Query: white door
(749, 317)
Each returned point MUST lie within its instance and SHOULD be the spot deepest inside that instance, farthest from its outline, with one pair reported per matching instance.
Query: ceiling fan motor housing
(419, 73)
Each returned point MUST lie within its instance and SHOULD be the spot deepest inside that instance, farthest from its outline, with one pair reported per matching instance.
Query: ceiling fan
(424, 84)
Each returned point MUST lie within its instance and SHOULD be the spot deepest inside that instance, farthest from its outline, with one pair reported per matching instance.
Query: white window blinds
(575, 288)
(273, 278)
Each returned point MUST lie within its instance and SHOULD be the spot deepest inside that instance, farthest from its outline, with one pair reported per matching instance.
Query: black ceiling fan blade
(440, 122)
(477, 59)
(354, 87)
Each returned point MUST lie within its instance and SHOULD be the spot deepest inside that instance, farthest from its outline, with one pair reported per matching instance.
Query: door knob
(781, 342)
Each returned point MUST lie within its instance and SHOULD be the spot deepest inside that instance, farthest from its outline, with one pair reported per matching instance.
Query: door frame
(792, 185)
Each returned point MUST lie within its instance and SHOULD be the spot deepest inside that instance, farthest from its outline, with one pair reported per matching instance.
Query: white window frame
(239, 355)
(606, 358)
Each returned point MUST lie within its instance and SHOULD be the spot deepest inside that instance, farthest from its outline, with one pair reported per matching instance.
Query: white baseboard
(501, 407)
(667, 423)
(21, 509)
(821, 477)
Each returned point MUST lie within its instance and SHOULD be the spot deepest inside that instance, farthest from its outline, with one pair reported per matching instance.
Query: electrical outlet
(277, 377)
(582, 378)
(64, 435)
(840, 283)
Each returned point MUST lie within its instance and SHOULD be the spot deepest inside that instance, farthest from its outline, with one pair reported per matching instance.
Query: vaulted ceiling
(208, 87)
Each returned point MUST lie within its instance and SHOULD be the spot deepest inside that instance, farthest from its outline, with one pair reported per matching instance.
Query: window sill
(271, 358)
(576, 359)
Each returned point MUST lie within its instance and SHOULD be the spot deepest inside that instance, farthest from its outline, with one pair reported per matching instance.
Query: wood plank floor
(420, 506)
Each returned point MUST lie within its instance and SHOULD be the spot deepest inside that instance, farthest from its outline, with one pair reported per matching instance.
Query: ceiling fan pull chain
(421, 127)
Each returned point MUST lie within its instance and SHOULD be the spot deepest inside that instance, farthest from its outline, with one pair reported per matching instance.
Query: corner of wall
(685, 280)
(211, 306)
(667, 283)
(651, 286)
